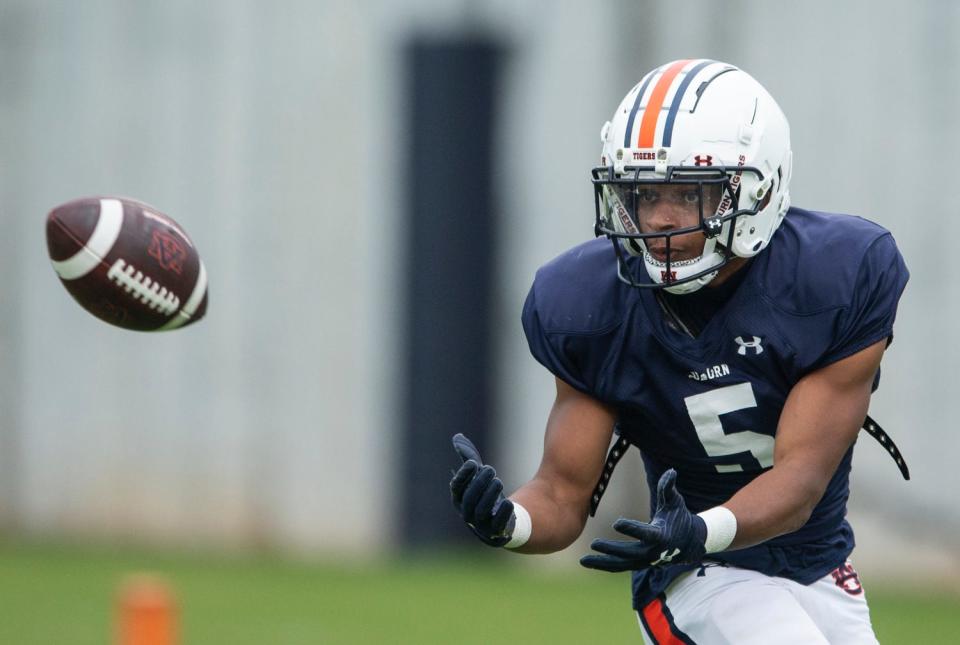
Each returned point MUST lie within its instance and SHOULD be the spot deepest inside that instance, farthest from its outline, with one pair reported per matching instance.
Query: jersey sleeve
(869, 317)
(553, 350)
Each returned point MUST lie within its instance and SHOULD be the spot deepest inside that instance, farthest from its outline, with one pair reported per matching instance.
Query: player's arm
(578, 434)
(820, 421)
(555, 503)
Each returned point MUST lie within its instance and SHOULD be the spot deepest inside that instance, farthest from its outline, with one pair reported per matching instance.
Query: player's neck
(727, 271)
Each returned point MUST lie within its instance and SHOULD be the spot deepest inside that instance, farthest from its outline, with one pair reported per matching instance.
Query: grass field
(55, 595)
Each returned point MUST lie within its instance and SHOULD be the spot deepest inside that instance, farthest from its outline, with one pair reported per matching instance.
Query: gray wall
(275, 137)
(263, 423)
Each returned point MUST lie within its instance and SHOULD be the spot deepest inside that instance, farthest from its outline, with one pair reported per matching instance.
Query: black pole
(452, 86)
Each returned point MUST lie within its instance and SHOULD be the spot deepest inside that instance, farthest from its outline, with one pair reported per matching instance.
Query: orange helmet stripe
(648, 126)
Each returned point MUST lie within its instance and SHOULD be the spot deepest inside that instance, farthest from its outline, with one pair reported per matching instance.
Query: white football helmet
(710, 137)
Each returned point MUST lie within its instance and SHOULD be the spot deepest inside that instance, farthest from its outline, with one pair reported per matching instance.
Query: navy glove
(477, 495)
(674, 535)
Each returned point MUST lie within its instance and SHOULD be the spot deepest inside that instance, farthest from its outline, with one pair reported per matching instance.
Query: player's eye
(691, 196)
(646, 196)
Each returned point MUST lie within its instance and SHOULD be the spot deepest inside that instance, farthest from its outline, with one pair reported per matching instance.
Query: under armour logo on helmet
(703, 160)
(712, 226)
(753, 344)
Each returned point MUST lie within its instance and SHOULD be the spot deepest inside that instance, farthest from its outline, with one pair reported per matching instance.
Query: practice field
(66, 595)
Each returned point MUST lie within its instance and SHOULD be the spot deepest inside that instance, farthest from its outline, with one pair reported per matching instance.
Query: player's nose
(664, 216)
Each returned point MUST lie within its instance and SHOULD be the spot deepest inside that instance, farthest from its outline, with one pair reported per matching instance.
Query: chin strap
(622, 444)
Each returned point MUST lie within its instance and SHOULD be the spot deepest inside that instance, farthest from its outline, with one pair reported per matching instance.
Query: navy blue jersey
(825, 288)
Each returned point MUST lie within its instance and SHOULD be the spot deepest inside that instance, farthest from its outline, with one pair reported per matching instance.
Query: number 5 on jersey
(732, 450)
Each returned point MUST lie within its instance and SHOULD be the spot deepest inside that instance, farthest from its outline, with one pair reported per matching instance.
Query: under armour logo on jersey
(666, 556)
(753, 344)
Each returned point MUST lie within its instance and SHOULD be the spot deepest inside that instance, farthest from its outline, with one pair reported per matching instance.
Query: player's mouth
(678, 254)
(659, 253)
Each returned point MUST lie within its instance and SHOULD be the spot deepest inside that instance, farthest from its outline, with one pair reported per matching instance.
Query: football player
(735, 340)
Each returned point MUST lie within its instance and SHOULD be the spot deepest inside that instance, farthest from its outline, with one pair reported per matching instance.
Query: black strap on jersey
(621, 445)
(617, 450)
(874, 430)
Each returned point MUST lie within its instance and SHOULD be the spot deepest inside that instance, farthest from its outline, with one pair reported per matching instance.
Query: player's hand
(477, 495)
(673, 536)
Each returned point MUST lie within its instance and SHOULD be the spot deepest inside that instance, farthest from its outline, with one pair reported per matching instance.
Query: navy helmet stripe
(706, 84)
(636, 108)
(677, 98)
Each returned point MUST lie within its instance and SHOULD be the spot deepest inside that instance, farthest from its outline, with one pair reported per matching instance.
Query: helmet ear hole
(766, 198)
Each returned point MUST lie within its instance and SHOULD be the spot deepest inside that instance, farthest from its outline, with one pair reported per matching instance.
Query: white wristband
(521, 529)
(721, 528)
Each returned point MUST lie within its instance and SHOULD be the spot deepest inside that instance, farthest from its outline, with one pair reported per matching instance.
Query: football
(127, 263)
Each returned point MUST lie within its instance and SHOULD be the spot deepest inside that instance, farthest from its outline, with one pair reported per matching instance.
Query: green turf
(65, 595)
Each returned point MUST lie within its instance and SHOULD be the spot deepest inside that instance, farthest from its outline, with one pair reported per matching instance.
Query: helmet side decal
(624, 218)
(678, 97)
(648, 125)
(707, 82)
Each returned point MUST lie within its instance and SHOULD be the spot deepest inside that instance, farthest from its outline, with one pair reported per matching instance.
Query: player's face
(660, 208)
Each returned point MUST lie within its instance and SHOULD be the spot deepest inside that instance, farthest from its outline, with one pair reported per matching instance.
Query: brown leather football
(127, 263)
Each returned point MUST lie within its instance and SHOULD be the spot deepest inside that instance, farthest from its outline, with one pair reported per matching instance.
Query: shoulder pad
(578, 291)
(814, 260)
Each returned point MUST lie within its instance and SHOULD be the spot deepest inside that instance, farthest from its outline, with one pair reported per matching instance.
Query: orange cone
(147, 612)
